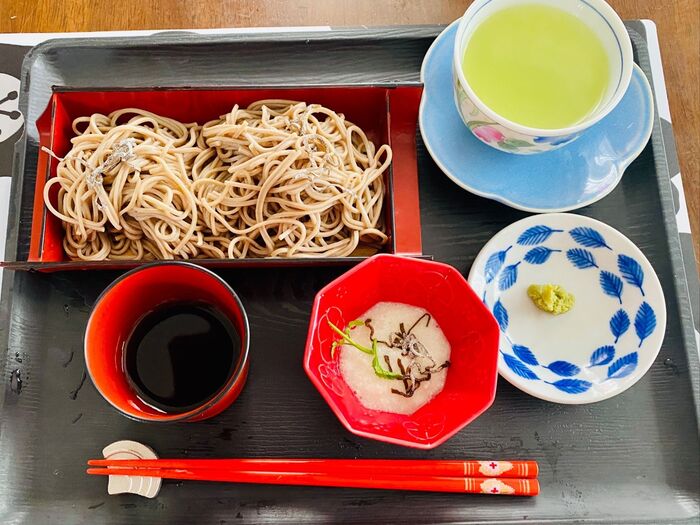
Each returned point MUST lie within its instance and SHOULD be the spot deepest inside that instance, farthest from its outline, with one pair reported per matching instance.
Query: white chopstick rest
(147, 487)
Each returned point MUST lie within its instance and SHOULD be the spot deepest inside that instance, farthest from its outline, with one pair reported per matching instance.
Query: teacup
(506, 135)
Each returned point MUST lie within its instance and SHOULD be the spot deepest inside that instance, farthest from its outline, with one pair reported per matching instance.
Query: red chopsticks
(435, 467)
(516, 478)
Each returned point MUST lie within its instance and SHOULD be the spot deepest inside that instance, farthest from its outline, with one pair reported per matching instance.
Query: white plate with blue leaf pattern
(611, 336)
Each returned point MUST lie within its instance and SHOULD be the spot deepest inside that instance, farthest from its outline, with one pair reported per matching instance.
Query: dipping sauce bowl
(126, 301)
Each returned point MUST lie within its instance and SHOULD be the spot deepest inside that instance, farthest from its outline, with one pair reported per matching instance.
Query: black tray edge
(663, 180)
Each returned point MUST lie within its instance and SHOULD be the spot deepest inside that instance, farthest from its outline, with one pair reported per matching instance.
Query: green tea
(537, 66)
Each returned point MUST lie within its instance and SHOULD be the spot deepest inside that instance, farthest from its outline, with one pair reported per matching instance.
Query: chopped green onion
(346, 339)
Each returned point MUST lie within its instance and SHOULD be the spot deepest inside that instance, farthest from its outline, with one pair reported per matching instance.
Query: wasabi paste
(550, 298)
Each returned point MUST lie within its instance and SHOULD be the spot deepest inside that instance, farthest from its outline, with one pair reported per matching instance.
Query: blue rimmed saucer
(613, 333)
(568, 178)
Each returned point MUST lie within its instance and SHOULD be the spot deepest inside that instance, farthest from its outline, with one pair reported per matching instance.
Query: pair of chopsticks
(514, 478)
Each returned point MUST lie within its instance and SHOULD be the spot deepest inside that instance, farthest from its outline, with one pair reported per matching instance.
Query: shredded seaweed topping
(419, 366)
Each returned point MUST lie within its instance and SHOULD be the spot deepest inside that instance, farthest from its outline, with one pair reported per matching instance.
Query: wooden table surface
(678, 23)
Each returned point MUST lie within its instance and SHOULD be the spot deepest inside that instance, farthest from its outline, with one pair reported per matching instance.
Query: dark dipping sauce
(180, 355)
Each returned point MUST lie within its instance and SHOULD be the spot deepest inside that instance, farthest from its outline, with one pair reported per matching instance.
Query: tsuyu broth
(180, 355)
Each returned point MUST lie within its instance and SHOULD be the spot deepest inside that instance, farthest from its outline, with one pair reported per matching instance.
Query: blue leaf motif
(483, 299)
(603, 355)
(619, 323)
(631, 271)
(611, 284)
(588, 237)
(564, 368)
(508, 276)
(644, 322)
(581, 258)
(494, 264)
(525, 354)
(539, 255)
(501, 315)
(623, 366)
(536, 235)
(571, 386)
(518, 367)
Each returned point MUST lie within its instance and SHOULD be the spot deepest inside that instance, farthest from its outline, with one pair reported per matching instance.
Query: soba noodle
(277, 179)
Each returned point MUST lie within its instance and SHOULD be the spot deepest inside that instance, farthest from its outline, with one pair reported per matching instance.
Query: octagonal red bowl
(470, 386)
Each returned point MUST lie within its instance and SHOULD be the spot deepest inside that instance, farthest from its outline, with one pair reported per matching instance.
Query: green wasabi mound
(551, 298)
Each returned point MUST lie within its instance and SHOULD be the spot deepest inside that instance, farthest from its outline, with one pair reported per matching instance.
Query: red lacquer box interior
(386, 114)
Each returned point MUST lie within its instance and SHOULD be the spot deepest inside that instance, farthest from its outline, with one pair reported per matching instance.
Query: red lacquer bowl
(120, 307)
(470, 328)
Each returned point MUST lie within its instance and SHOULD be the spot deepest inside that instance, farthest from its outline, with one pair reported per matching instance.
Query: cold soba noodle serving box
(380, 215)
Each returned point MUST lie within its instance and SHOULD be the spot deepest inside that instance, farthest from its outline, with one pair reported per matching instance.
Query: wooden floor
(678, 23)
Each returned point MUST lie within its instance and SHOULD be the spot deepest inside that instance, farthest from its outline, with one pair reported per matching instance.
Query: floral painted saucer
(611, 336)
(571, 177)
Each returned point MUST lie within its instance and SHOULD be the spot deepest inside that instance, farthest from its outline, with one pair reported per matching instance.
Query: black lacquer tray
(631, 459)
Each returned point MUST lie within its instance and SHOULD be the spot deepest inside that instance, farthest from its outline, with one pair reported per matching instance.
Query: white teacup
(505, 135)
